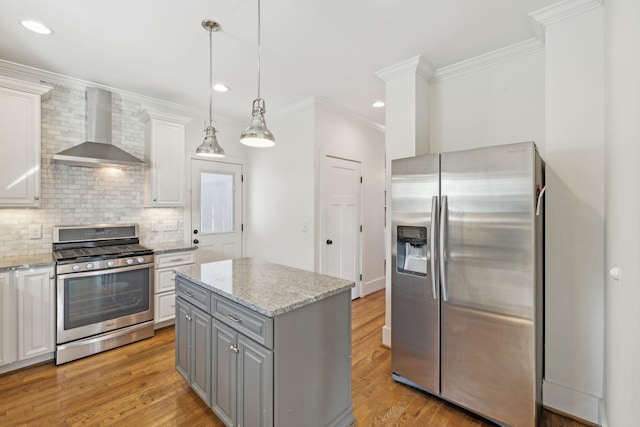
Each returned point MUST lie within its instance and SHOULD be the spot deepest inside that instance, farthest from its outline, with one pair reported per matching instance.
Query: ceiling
(329, 49)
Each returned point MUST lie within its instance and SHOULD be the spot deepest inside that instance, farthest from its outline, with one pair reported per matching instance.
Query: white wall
(622, 313)
(280, 187)
(283, 183)
(499, 104)
(341, 136)
(574, 157)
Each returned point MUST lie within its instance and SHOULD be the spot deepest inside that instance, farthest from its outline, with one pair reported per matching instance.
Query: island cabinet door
(224, 365)
(200, 380)
(255, 384)
(183, 338)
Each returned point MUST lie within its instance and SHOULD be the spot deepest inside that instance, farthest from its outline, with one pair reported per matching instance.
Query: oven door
(100, 301)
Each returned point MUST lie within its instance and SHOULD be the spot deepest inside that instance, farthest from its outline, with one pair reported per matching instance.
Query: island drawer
(246, 321)
(193, 294)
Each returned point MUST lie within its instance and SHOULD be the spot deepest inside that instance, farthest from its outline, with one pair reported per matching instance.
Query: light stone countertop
(270, 289)
(26, 261)
(164, 248)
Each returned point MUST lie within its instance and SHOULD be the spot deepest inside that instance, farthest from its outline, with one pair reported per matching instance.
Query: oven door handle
(105, 271)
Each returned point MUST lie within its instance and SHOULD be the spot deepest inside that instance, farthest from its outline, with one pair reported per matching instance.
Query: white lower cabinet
(165, 285)
(28, 316)
(35, 290)
(8, 331)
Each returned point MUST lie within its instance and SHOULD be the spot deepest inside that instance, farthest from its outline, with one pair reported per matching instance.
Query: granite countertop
(270, 289)
(26, 261)
(164, 248)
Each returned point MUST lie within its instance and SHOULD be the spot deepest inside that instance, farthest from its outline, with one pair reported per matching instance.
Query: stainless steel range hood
(98, 150)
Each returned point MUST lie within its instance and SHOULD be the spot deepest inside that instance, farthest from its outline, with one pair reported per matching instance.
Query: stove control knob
(75, 267)
(129, 261)
(140, 260)
(90, 266)
(110, 263)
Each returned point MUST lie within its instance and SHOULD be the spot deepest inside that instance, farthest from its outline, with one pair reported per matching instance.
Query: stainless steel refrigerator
(467, 279)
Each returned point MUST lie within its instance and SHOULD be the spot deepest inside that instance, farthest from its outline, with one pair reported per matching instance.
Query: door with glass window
(216, 210)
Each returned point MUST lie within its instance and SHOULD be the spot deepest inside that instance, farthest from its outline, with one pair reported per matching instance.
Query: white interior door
(216, 210)
(341, 221)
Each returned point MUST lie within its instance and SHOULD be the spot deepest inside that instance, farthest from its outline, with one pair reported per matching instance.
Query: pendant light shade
(210, 146)
(257, 134)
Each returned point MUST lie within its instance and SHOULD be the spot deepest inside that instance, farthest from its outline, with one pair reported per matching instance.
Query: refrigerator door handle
(434, 227)
(444, 216)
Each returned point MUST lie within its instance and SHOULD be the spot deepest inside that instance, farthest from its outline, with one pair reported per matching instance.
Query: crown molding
(508, 53)
(312, 102)
(26, 74)
(563, 10)
(24, 86)
(416, 64)
(150, 114)
(349, 114)
(301, 105)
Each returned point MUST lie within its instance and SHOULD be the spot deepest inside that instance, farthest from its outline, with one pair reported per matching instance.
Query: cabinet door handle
(188, 317)
(233, 318)
(234, 349)
(36, 198)
(189, 294)
(176, 260)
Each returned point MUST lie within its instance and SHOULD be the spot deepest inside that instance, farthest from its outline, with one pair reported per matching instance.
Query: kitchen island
(264, 344)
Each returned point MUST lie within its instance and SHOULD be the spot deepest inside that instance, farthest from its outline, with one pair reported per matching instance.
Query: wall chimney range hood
(98, 150)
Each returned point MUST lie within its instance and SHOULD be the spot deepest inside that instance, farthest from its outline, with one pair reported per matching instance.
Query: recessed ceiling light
(36, 27)
(378, 104)
(219, 87)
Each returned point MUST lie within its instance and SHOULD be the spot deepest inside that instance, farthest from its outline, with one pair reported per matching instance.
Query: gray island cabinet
(264, 344)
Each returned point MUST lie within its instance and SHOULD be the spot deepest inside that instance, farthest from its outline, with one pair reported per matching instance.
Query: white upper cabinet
(20, 142)
(165, 153)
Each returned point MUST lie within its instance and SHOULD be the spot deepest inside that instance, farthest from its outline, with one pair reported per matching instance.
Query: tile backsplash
(73, 195)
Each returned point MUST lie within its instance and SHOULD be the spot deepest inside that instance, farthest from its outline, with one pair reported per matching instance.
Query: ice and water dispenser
(412, 246)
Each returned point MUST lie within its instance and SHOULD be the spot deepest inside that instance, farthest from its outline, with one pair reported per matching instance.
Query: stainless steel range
(104, 289)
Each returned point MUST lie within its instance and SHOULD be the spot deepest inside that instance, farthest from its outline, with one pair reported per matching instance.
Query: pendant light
(257, 134)
(210, 146)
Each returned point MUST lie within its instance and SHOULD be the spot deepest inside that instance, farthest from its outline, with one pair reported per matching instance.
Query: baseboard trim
(603, 414)
(570, 402)
(27, 363)
(386, 336)
(372, 286)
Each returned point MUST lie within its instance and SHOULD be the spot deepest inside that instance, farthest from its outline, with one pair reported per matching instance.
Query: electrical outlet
(35, 231)
(305, 227)
(170, 225)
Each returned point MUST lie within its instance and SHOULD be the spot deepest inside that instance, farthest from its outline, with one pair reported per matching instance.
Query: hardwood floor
(137, 385)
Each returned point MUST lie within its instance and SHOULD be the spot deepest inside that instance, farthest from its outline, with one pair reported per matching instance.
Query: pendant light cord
(210, 77)
(258, 49)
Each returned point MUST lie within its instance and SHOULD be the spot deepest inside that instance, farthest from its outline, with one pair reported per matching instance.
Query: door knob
(196, 241)
(329, 241)
(195, 231)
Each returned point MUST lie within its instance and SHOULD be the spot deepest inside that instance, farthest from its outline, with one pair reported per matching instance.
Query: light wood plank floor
(137, 385)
